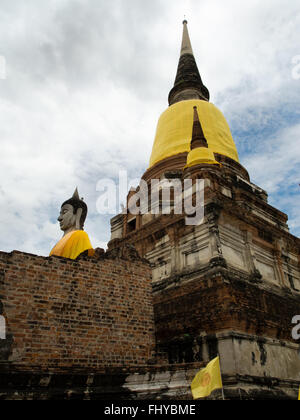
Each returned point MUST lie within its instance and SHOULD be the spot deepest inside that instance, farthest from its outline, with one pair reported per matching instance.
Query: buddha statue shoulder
(75, 240)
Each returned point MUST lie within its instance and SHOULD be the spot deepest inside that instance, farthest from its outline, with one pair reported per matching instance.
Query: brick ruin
(229, 286)
(83, 329)
(141, 319)
(66, 316)
(84, 314)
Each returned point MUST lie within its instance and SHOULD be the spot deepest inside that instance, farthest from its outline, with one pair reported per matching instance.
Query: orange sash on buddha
(72, 245)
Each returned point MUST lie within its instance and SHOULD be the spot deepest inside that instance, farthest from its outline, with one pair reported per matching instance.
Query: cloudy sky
(86, 81)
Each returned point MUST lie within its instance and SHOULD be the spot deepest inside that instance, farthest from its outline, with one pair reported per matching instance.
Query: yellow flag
(299, 395)
(207, 380)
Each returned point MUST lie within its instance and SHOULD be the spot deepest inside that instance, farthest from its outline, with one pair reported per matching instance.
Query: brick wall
(211, 305)
(91, 313)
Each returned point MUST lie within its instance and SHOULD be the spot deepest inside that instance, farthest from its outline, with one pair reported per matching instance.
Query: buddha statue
(71, 219)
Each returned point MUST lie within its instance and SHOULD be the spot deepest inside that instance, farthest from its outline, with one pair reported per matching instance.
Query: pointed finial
(196, 116)
(200, 153)
(198, 138)
(188, 83)
(76, 194)
(186, 46)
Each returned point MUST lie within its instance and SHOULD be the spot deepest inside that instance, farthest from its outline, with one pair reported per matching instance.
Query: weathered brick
(87, 313)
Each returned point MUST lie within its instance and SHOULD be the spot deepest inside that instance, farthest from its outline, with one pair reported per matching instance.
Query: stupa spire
(200, 153)
(186, 46)
(198, 138)
(188, 82)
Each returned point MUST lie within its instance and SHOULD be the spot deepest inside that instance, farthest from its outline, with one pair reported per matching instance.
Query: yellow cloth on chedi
(72, 245)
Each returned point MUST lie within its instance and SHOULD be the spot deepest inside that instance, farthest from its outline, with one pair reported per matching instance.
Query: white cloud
(87, 81)
(277, 165)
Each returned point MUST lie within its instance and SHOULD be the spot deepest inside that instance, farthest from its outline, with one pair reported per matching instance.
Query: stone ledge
(156, 384)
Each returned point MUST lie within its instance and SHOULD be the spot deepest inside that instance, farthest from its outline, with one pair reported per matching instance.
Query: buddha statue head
(73, 214)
